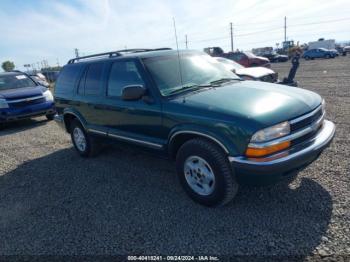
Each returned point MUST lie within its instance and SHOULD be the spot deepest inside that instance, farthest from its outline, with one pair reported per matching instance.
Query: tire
(327, 56)
(88, 146)
(50, 117)
(307, 57)
(221, 186)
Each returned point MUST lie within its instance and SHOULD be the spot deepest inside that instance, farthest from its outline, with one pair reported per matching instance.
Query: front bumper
(10, 114)
(284, 164)
(59, 120)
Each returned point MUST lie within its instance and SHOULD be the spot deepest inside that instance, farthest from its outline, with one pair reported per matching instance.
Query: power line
(322, 22)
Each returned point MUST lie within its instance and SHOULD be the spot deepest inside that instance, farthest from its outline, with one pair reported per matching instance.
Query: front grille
(23, 103)
(272, 78)
(307, 121)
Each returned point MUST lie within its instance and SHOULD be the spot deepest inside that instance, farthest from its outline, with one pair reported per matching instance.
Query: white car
(250, 73)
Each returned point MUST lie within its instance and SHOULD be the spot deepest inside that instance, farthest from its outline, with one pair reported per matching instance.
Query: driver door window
(123, 73)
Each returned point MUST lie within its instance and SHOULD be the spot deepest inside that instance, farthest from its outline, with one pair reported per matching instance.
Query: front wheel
(50, 116)
(205, 173)
(328, 56)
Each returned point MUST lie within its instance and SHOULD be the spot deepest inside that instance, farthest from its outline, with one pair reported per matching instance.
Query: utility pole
(76, 50)
(231, 30)
(285, 29)
(186, 41)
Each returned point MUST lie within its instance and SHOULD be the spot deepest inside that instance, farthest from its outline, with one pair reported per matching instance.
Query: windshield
(13, 81)
(249, 54)
(229, 62)
(197, 70)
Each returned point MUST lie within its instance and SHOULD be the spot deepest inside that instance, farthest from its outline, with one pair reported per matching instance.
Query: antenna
(178, 53)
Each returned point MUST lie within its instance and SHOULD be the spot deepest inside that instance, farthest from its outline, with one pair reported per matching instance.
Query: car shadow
(21, 125)
(125, 202)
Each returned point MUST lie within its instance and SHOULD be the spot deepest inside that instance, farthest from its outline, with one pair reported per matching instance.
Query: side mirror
(133, 92)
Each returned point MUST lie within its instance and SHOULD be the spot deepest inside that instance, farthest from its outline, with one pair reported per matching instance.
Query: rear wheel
(205, 173)
(307, 58)
(84, 143)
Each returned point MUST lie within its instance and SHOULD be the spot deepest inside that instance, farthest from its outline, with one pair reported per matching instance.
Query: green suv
(220, 130)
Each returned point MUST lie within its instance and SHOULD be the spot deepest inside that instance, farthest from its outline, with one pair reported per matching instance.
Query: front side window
(196, 70)
(13, 81)
(123, 73)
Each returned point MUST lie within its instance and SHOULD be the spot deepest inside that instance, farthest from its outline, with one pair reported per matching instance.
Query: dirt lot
(127, 202)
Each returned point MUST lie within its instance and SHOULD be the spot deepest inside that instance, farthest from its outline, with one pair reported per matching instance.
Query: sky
(34, 30)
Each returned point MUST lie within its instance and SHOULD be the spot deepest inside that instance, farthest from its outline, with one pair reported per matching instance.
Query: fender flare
(77, 115)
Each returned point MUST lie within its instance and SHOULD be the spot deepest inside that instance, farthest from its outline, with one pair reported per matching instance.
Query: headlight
(3, 103)
(48, 95)
(257, 147)
(272, 132)
(245, 77)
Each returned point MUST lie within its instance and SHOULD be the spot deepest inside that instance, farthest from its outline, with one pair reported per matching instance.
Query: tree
(8, 66)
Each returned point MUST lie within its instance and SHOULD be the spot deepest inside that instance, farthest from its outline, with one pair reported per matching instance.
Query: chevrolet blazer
(220, 130)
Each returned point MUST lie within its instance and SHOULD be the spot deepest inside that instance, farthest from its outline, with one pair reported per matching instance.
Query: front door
(136, 121)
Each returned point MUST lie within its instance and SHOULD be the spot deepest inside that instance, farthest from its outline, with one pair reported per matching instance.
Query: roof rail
(116, 53)
(109, 54)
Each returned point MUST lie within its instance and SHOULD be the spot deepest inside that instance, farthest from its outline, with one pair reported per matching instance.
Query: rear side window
(93, 82)
(123, 73)
(67, 79)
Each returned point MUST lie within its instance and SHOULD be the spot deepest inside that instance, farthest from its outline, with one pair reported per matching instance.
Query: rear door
(136, 121)
(90, 95)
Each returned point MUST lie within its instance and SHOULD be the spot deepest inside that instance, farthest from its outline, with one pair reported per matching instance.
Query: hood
(18, 93)
(255, 72)
(264, 104)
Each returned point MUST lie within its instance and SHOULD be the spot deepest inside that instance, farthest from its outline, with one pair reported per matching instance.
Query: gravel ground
(128, 202)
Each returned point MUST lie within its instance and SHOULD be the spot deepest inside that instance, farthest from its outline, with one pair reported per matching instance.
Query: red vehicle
(248, 59)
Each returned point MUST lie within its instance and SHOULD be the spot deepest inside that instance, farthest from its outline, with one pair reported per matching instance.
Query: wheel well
(68, 120)
(180, 139)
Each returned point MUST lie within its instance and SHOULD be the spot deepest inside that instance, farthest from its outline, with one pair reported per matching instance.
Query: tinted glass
(93, 82)
(123, 73)
(236, 56)
(196, 69)
(67, 78)
(229, 62)
(13, 81)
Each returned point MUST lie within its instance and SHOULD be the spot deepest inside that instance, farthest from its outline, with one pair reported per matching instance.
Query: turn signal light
(259, 152)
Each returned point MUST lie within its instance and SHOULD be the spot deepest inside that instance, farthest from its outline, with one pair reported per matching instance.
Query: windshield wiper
(194, 87)
(223, 80)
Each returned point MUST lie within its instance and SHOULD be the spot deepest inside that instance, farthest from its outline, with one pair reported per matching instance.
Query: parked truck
(321, 43)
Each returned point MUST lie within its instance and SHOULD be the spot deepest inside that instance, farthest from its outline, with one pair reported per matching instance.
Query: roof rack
(116, 53)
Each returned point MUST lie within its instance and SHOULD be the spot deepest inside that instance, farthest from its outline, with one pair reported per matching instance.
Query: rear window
(67, 79)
